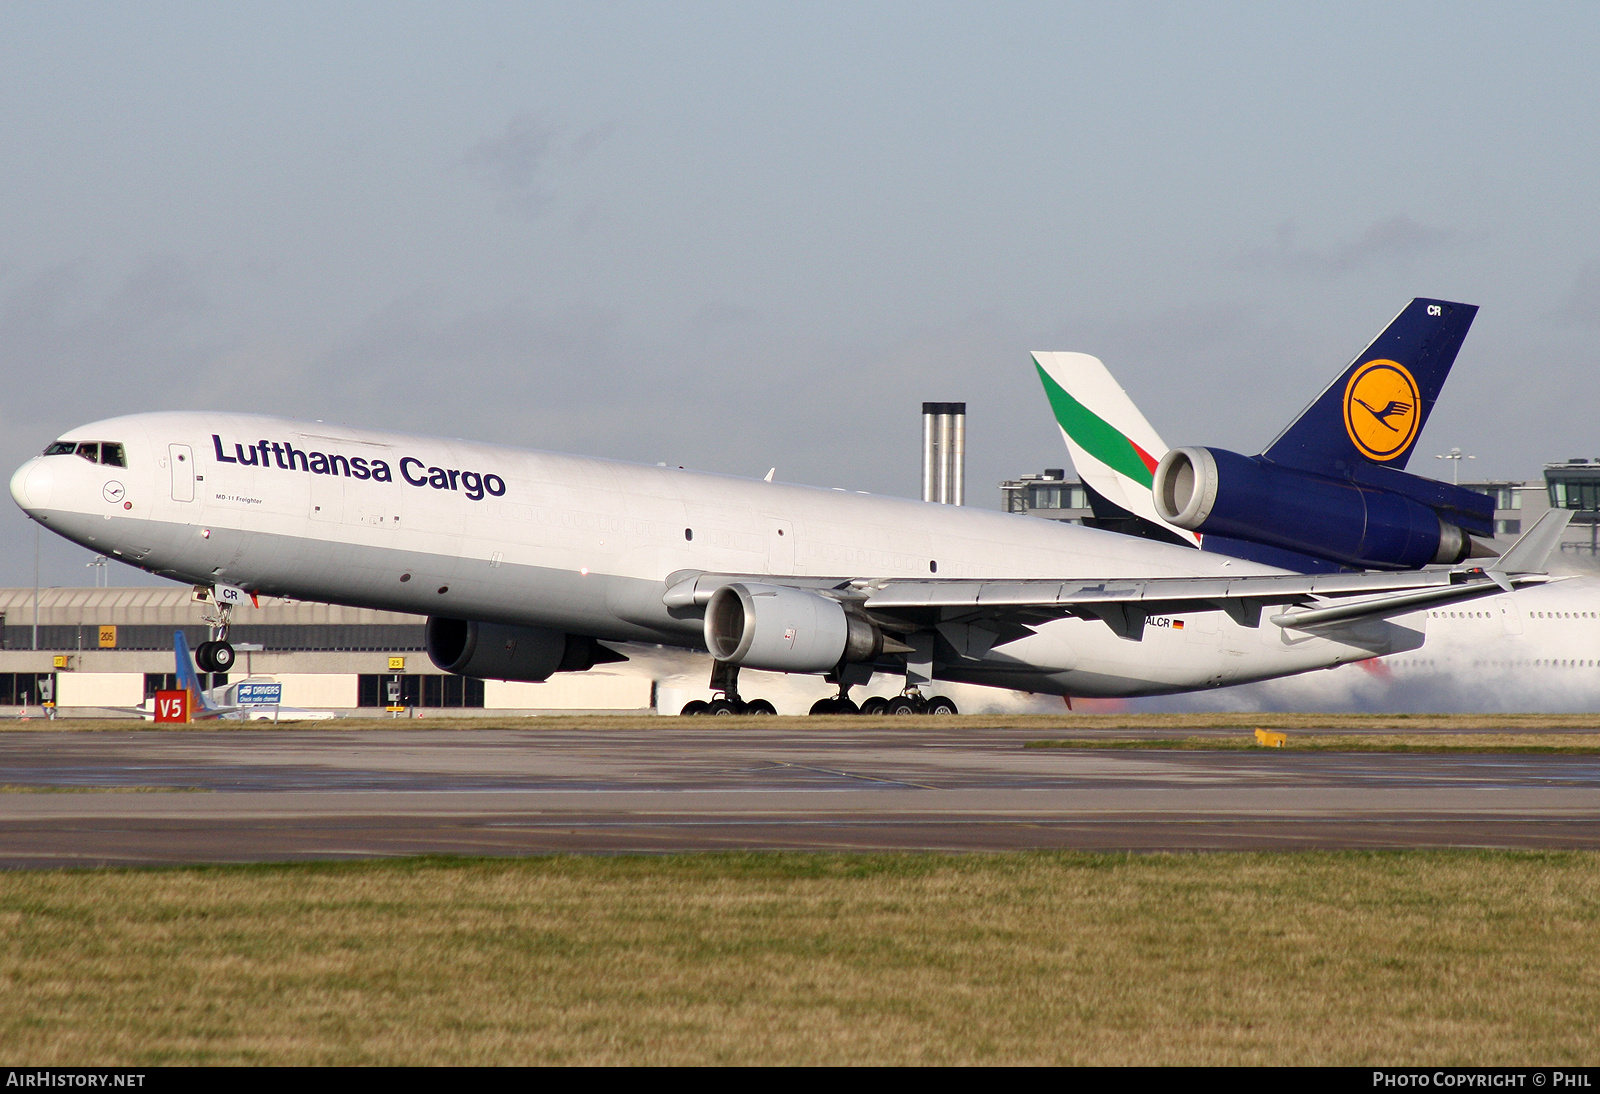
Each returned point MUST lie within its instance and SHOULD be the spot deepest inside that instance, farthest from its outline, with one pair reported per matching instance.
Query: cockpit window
(106, 452)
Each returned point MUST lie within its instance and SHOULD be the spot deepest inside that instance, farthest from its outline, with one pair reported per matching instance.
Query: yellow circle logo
(1381, 407)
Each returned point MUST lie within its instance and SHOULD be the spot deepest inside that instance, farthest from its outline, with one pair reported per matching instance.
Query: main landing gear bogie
(899, 704)
(728, 705)
(725, 688)
(909, 704)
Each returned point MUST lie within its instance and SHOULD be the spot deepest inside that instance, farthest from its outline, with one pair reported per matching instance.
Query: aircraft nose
(32, 485)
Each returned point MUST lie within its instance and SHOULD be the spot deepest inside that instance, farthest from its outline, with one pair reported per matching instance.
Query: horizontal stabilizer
(1531, 553)
(1381, 607)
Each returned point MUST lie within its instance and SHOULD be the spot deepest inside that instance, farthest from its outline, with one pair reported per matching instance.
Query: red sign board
(172, 706)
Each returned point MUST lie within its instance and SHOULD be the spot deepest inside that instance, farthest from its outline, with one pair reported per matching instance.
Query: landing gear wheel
(843, 705)
(695, 706)
(824, 706)
(760, 706)
(877, 704)
(222, 657)
(902, 704)
(940, 704)
(726, 706)
(205, 656)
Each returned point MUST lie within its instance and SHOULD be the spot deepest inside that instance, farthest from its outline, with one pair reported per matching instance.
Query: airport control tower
(1575, 485)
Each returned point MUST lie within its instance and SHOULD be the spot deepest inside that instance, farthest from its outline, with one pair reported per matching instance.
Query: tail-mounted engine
(1212, 490)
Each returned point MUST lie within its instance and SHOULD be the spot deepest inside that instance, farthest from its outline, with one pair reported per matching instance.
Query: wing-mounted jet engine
(786, 630)
(497, 651)
(1331, 492)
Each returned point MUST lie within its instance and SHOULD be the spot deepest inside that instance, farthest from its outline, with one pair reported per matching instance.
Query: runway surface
(668, 785)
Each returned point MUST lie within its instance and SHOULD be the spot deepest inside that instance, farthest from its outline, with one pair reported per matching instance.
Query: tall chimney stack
(944, 453)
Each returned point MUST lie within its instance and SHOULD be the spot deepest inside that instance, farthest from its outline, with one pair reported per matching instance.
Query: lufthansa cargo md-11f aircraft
(526, 562)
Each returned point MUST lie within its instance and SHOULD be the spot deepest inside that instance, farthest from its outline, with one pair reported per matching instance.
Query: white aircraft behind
(526, 562)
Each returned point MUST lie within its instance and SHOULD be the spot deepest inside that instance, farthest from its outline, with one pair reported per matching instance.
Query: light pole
(1455, 457)
(98, 562)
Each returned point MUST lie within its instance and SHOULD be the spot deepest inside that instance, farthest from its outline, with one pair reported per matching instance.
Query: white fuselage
(473, 531)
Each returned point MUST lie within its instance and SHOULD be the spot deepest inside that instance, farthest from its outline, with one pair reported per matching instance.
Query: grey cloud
(1186, 367)
(1167, 337)
(717, 316)
(592, 138)
(1391, 238)
(505, 370)
(509, 165)
(62, 345)
(72, 352)
(1582, 305)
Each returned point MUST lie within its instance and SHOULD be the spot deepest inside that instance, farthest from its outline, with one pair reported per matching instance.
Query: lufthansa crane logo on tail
(1381, 407)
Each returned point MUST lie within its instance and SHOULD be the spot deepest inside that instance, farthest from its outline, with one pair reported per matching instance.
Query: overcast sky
(746, 235)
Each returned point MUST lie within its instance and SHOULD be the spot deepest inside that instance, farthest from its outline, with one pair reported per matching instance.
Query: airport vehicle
(1329, 493)
(527, 562)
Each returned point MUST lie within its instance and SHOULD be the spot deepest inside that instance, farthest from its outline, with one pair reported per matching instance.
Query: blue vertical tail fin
(1375, 410)
(188, 679)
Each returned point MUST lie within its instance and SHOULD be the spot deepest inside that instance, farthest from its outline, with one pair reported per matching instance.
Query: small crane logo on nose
(113, 491)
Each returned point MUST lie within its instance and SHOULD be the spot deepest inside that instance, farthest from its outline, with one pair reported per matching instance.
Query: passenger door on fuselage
(181, 460)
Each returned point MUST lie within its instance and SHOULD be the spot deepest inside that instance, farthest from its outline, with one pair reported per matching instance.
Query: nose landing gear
(214, 657)
(217, 655)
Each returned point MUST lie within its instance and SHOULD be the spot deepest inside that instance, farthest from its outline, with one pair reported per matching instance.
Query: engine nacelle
(496, 651)
(786, 630)
(1212, 490)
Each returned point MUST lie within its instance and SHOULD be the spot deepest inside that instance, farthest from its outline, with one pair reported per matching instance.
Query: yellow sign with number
(108, 638)
(397, 664)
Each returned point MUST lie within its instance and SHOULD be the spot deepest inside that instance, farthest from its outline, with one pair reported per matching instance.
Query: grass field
(1351, 958)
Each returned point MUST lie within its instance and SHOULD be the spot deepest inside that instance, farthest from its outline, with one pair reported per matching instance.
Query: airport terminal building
(99, 650)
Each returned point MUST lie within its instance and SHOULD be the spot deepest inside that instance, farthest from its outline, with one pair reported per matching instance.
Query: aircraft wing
(1125, 604)
(1306, 601)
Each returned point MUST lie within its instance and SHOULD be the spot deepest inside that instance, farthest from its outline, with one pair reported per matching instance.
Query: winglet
(1531, 553)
